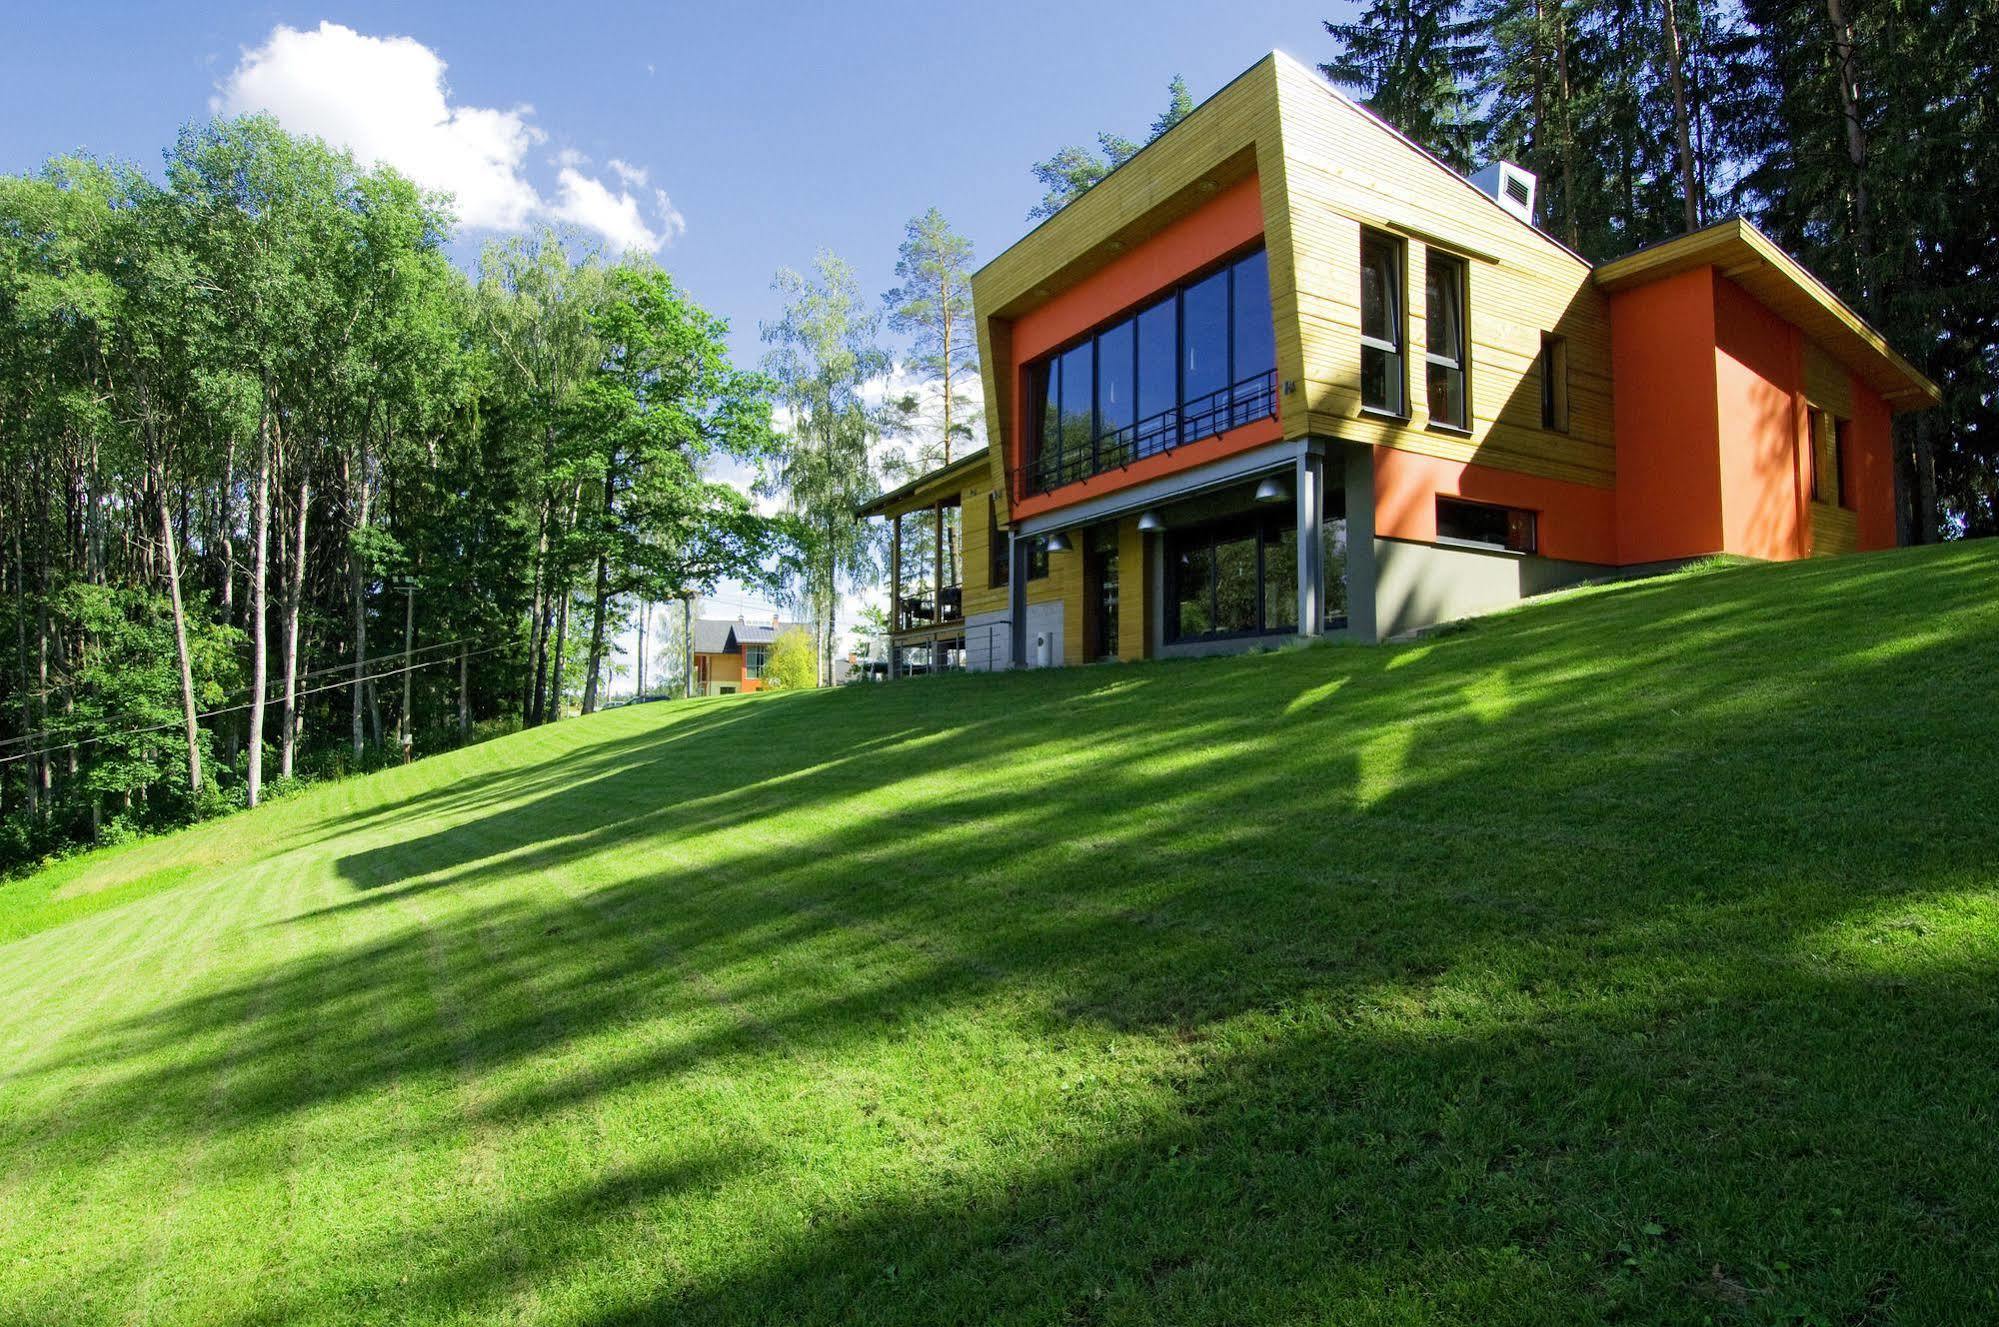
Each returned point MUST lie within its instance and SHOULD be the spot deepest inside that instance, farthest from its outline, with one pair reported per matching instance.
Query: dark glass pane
(1447, 395)
(1255, 336)
(1380, 379)
(1333, 552)
(1046, 389)
(1443, 309)
(1158, 382)
(1235, 584)
(1078, 397)
(1280, 580)
(1117, 404)
(1204, 348)
(1193, 584)
(1380, 291)
(1479, 523)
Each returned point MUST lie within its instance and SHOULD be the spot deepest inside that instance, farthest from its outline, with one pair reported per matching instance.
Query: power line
(232, 709)
(276, 684)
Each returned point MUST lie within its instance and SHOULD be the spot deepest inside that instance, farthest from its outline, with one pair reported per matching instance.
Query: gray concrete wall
(1418, 585)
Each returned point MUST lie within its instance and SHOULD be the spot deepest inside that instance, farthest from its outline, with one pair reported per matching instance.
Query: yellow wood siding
(1325, 169)
(1132, 588)
(981, 596)
(1834, 530)
(1827, 385)
(1345, 171)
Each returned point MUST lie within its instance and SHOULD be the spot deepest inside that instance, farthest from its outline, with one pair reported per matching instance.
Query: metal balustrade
(1069, 460)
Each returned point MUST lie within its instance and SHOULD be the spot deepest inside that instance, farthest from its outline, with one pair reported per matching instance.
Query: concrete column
(1358, 464)
(1310, 488)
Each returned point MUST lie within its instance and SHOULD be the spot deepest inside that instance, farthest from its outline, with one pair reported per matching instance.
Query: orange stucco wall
(1759, 373)
(1871, 452)
(1664, 409)
(1232, 219)
(1577, 522)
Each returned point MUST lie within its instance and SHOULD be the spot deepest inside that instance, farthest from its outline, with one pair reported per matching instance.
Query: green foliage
(1071, 172)
(933, 307)
(792, 663)
(1415, 62)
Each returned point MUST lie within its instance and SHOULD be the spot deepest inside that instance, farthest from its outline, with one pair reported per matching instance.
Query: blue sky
(738, 138)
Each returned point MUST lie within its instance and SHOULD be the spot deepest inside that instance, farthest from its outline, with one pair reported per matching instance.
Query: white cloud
(386, 99)
(635, 176)
(593, 205)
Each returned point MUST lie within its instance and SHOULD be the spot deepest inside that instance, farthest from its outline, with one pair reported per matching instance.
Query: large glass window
(753, 661)
(1204, 340)
(1194, 364)
(1237, 578)
(1117, 402)
(1381, 323)
(1444, 321)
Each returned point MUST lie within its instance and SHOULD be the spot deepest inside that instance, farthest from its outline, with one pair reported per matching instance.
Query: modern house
(728, 657)
(1285, 373)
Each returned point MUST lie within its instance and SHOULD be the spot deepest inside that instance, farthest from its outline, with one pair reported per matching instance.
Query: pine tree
(1070, 173)
(1415, 63)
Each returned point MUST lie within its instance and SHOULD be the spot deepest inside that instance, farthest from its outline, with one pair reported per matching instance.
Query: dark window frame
(1554, 382)
(1461, 365)
(1037, 558)
(1107, 451)
(1397, 351)
(1447, 502)
(1842, 457)
(1814, 429)
(1266, 529)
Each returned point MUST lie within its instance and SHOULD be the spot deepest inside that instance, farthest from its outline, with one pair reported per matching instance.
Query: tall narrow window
(1555, 382)
(999, 553)
(1814, 436)
(1045, 388)
(1444, 319)
(1254, 334)
(1204, 344)
(1842, 459)
(1381, 322)
(1158, 376)
(1117, 402)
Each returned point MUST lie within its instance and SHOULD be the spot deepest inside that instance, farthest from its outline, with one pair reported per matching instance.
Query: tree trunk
(603, 589)
(357, 594)
(167, 544)
(408, 722)
(639, 690)
(554, 714)
(294, 592)
(1682, 131)
(259, 644)
(1856, 146)
(28, 731)
(464, 690)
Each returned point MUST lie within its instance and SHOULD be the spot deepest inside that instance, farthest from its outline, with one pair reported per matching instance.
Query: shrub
(792, 663)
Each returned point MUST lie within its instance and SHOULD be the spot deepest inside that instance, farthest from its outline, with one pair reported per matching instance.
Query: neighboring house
(729, 656)
(1285, 373)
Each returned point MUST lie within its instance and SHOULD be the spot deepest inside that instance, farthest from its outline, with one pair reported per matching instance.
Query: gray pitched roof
(722, 636)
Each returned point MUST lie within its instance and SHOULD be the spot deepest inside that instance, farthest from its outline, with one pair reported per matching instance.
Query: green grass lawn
(1631, 957)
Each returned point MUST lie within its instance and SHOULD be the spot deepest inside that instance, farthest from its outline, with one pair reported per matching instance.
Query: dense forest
(272, 467)
(1862, 135)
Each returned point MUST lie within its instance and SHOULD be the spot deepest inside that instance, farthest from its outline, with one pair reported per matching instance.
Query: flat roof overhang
(924, 489)
(1745, 255)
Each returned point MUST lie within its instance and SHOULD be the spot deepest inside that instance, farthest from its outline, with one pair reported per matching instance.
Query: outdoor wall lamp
(1273, 489)
(1058, 542)
(1150, 522)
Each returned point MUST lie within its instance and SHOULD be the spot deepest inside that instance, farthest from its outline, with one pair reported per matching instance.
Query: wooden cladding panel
(1834, 530)
(1827, 385)
(979, 593)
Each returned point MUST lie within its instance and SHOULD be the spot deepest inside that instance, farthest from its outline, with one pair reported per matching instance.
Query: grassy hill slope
(1627, 957)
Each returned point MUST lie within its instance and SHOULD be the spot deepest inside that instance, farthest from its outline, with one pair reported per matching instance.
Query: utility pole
(409, 640)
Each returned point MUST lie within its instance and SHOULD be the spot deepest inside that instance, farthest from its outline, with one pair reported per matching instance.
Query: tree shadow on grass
(1464, 965)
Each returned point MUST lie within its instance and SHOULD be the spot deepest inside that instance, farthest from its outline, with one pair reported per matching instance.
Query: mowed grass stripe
(1629, 957)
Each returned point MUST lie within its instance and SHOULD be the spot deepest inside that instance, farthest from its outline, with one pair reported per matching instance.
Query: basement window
(1486, 525)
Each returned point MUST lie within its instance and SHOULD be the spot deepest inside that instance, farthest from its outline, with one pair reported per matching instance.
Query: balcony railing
(1067, 460)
